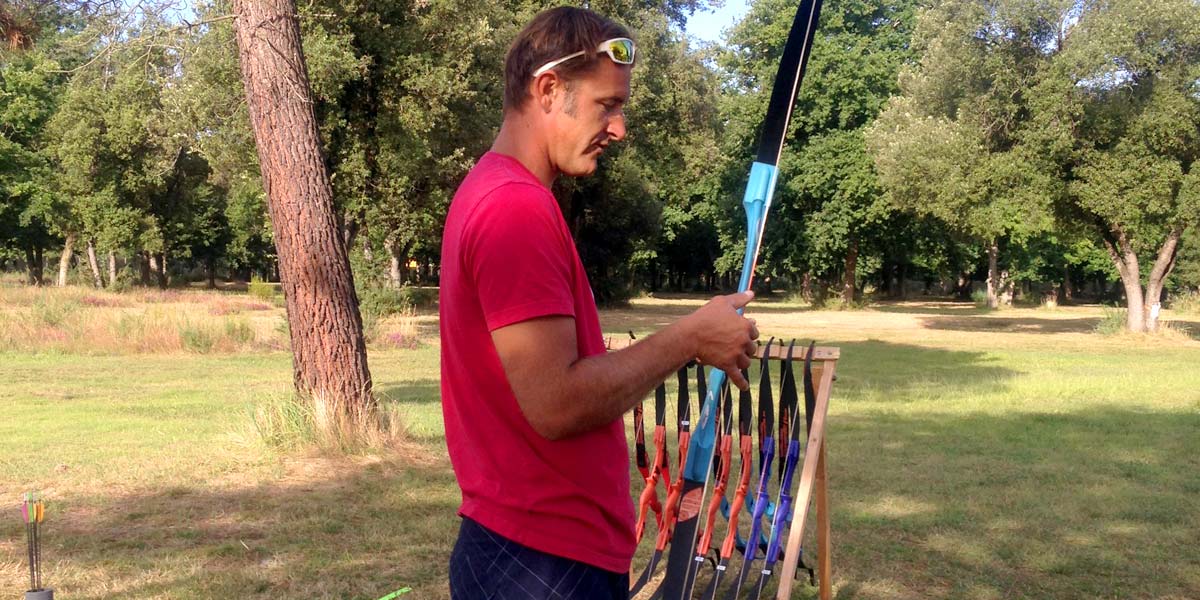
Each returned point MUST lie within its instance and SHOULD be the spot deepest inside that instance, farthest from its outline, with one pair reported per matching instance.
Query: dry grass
(78, 320)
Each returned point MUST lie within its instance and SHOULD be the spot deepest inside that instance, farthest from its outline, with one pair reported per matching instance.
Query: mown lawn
(972, 455)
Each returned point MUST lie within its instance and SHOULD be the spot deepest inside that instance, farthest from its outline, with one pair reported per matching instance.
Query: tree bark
(329, 355)
(848, 282)
(97, 280)
(1125, 258)
(112, 268)
(1163, 264)
(64, 261)
(158, 266)
(993, 278)
(34, 265)
(962, 288)
(368, 254)
(210, 270)
(144, 267)
(394, 264)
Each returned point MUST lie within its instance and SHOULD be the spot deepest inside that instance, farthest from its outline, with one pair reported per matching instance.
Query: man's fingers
(743, 361)
(751, 349)
(735, 377)
(741, 299)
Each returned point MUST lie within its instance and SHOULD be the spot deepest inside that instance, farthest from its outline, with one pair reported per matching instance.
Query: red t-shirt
(507, 257)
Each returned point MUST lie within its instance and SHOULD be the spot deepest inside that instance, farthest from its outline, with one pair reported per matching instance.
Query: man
(532, 403)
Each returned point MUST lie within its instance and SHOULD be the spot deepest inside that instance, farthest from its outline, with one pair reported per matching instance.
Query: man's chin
(583, 169)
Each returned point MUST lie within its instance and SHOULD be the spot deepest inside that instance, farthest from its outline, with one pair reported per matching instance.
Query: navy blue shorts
(487, 566)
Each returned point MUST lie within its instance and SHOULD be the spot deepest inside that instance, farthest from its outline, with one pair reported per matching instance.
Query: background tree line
(1042, 148)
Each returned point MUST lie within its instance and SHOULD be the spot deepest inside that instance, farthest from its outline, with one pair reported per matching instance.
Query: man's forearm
(597, 389)
(562, 395)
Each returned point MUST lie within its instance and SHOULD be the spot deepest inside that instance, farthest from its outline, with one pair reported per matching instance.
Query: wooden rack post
(813, 481)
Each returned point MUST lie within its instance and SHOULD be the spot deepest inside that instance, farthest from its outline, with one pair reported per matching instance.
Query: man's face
(587, 116)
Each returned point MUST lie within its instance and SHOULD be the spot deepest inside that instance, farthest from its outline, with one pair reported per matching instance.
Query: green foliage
(384, 302)
(979, 297)
(262, 290)
(379, 303)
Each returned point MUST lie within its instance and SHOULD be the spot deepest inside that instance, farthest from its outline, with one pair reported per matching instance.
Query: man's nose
(616, 127)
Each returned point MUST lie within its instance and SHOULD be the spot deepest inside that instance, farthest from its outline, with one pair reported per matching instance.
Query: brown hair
(551, 35)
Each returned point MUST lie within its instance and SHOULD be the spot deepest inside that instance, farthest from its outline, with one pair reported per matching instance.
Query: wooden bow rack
(813, 488)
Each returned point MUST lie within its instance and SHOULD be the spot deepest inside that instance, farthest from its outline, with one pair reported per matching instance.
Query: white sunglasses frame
(603, 48)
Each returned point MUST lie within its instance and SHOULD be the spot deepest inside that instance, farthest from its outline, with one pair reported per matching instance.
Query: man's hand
(724, 338)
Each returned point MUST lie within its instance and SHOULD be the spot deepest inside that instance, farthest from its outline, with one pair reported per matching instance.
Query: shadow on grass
(901, 372)
(930, 307)
(1013, 324)
(342, 530)
(1102, 503)
(420, 391)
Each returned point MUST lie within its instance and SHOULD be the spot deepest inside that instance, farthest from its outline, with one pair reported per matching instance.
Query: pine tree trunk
(64, 261)
(1163, 264)
(97, 280)
(848, 283)
(993, 279)
(329, 357)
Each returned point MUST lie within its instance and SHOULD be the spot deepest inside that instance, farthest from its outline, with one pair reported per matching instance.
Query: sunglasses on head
(620, 50)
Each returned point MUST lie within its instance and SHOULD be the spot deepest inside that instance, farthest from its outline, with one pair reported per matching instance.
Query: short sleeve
(517, 256)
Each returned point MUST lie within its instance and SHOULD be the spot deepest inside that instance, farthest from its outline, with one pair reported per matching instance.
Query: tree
(1118, 117)
(29, 83)
(831, 207)
(949, 145)
(328, 350)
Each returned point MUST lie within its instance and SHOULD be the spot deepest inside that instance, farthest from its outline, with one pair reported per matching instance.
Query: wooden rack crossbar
(813, 481)
(778, 349)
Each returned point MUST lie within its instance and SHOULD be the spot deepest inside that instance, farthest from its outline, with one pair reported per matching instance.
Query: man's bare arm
(562, 395)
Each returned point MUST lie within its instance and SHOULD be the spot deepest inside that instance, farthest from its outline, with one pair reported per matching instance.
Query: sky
(708, 25)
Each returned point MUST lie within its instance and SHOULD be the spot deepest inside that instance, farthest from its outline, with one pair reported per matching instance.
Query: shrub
(196, 339)
(239, 332)
(52, 309)
(1112, 321)
(979, 297)
(380, 302)
(419, 297)
(262, 290)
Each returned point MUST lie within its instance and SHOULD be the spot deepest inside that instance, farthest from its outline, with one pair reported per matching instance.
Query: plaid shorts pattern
(487, 566)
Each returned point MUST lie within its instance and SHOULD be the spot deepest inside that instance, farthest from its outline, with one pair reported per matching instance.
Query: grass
(973, 454)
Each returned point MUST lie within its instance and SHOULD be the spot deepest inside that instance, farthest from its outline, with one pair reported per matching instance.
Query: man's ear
(544, 88)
